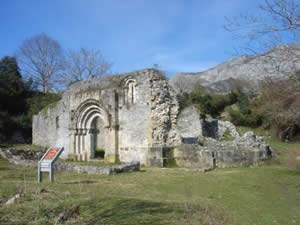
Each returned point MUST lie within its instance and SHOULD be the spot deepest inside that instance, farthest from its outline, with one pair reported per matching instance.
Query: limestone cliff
(247, 70)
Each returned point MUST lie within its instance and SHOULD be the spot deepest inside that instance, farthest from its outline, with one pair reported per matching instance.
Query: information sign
(46, 163)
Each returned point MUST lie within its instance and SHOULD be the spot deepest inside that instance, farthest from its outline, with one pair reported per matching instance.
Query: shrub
(212, 104)
(248, 112)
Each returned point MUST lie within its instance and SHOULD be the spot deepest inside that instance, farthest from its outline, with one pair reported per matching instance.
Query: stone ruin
(135, 117)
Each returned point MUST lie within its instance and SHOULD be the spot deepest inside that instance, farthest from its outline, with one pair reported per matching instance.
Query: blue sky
(179, 35)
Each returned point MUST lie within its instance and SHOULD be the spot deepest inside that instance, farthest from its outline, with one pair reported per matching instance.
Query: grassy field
(22, 146)
(264, 195)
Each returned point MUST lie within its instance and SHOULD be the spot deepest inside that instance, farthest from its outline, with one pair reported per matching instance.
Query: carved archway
(82, 131)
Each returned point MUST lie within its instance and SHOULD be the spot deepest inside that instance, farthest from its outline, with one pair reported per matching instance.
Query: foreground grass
(264, 195)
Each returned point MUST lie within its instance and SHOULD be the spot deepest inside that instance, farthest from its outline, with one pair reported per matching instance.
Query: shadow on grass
(82, 182)
(129, 211)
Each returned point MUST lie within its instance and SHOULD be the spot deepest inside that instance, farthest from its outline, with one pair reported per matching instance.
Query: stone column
(91, 146)
(72, 148)
(77, 142)
(82, 140)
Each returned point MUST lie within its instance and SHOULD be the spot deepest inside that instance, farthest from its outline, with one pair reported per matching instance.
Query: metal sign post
(46, 163)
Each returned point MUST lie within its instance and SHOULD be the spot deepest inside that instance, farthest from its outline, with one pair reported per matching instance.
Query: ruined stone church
(126, 115)
(135, 117)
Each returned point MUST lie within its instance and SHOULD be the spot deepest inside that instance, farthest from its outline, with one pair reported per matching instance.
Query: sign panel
(51, 153)
(46, 163)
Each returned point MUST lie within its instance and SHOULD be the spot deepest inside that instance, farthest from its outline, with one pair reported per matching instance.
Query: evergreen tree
(12, 87)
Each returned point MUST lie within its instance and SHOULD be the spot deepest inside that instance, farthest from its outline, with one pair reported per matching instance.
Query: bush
(212, 104)
(248, 112)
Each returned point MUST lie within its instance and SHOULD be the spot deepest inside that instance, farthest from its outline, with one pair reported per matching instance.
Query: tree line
(33, 78)
(19, 101)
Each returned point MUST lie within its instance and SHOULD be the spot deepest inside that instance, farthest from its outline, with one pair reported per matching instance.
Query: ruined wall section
(135, 132)
(50, 126)
(149, 119)
(164, 111)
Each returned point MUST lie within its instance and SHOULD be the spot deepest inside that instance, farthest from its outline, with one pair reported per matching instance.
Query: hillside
(246, 71)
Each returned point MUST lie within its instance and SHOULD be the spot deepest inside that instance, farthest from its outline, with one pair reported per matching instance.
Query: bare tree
(84, 64)
(40, 58)
(283, 106)
(277, 23)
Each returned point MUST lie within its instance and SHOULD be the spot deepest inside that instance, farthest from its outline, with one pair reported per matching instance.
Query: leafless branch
(39, 58)
(84, 64)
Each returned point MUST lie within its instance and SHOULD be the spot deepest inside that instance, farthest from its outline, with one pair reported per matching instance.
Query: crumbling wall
(151, 121)
(164, 111)
(138, 109)
(248, 150)
(190, 125)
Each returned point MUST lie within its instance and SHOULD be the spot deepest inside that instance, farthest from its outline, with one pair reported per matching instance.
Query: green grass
(99, 163)
(224, 196)
(227, 136)
(133, 198)
(264, 195)
(22, 146)
(258, 131)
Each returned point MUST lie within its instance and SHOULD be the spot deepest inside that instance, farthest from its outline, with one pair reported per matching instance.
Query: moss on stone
(72, 157)
(227, 136)
(111, 159)
(171, 160)
(46, 108)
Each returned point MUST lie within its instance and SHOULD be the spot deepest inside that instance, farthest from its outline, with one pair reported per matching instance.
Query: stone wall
(50, 126)
(18, 154)
(137, 111)
(135, 117)
(192, 156)
(30, 158)
(190, 125)
(248, 150)
(164, 111)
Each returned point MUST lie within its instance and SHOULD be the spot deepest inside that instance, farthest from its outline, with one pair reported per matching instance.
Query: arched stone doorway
(90, 129)
(97, 138)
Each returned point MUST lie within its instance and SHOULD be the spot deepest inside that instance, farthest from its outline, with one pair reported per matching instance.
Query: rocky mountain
(245, 71)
